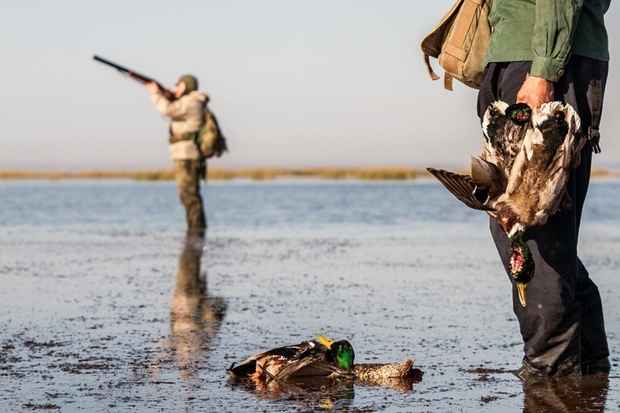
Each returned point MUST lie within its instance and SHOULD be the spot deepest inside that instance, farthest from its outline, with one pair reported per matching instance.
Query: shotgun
(140, 78)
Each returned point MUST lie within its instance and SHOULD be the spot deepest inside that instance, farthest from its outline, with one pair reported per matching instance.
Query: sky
(296, 84)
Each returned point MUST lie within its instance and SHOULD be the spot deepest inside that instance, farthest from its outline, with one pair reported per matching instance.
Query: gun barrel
(135, 75)
(107, 62)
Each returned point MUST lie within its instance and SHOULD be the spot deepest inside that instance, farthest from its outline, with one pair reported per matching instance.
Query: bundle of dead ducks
(318, 358)
(520, 177)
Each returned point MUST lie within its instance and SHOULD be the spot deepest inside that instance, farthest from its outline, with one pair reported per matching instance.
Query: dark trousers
(562, 325)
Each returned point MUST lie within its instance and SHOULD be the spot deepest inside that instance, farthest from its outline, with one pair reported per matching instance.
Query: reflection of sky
(320, 206)
(305, 83)
(276, 207)
(603, 203)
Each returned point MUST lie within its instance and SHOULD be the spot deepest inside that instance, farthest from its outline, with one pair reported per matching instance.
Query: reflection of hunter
(587, 393)
(195, 316)
(194, 137)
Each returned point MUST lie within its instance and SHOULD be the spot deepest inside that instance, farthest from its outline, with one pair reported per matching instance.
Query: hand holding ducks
(520, 177)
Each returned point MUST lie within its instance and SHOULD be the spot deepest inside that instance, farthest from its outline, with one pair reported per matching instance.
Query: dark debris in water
(485, 370)
(32, 344)
(46, 406)
(488, 399)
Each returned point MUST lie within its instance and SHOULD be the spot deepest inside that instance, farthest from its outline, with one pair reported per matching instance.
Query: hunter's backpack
(459, 43)
(209, 138)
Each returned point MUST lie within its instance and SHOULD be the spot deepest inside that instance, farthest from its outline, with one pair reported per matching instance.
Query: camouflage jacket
(186, 114)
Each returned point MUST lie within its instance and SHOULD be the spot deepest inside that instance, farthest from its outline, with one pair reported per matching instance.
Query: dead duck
(307, 359)
(524, 152)
(326, 358)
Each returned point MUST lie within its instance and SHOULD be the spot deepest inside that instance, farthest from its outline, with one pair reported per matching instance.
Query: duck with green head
(312, 358)
(340, 351)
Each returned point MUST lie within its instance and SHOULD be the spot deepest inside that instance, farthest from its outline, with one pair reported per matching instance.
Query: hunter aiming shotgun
(140, 78)
(193, 137)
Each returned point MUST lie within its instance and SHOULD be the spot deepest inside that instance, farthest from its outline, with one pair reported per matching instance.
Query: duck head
(342, 351)
(521, 265)
(519, 113)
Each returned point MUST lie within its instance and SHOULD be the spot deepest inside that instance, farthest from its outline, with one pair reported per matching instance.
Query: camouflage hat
(191, 83)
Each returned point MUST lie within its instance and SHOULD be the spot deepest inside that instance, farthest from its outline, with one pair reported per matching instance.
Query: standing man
(186, 113)
(540, 51)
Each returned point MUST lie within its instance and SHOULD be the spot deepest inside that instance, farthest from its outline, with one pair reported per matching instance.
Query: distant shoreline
(257, 174)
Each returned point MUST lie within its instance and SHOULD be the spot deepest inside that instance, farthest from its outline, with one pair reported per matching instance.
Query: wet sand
(127, 320)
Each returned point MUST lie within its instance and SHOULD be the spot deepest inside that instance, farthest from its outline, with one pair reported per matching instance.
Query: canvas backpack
(459, 42)
(209, 138)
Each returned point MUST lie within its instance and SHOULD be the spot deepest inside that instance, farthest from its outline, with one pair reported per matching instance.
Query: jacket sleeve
(166, 107)
(553, 32)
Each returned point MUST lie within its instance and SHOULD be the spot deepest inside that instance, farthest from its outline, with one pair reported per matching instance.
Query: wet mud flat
(114, 310)
(150, 322)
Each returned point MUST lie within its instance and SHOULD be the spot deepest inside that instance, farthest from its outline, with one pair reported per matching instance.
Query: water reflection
(195, 315)
(313, 392)
(579, 394)
(324, 392)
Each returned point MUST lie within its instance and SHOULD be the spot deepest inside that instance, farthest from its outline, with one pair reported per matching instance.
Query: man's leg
(583, 86)
(187, 174)
(551, 323)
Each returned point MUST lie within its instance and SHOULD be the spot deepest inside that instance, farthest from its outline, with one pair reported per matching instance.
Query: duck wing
(247, 367)
(555, 126)
(463, 188)
(310, 367)
(520, 164)
(488, 175)
(494, 122)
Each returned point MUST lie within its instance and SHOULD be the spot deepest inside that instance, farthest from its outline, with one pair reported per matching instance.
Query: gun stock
(137, 76)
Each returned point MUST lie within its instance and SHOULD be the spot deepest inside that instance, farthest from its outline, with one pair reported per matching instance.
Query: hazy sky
(293, 83)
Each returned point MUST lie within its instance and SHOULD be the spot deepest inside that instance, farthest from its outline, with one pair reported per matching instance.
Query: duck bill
(327, 342)
(521, 292)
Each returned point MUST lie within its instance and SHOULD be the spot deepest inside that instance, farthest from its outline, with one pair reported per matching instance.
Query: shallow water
(105, 306)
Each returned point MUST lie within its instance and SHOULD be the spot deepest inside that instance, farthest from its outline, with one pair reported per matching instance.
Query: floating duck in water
(326, 358)
(520, 177)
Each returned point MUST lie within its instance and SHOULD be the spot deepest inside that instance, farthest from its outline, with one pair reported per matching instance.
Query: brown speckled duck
(520, 177)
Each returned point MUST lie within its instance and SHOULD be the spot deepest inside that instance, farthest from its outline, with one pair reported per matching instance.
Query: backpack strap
(431, 73)
(447, 81)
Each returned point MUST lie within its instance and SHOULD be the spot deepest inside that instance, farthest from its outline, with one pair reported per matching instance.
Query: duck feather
(523, 168)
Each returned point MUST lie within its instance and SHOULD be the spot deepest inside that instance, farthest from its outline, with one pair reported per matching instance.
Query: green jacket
(547, 32)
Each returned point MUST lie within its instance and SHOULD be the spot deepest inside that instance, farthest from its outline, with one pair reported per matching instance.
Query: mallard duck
(334, 359)
(520, 177)
(306, 359)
